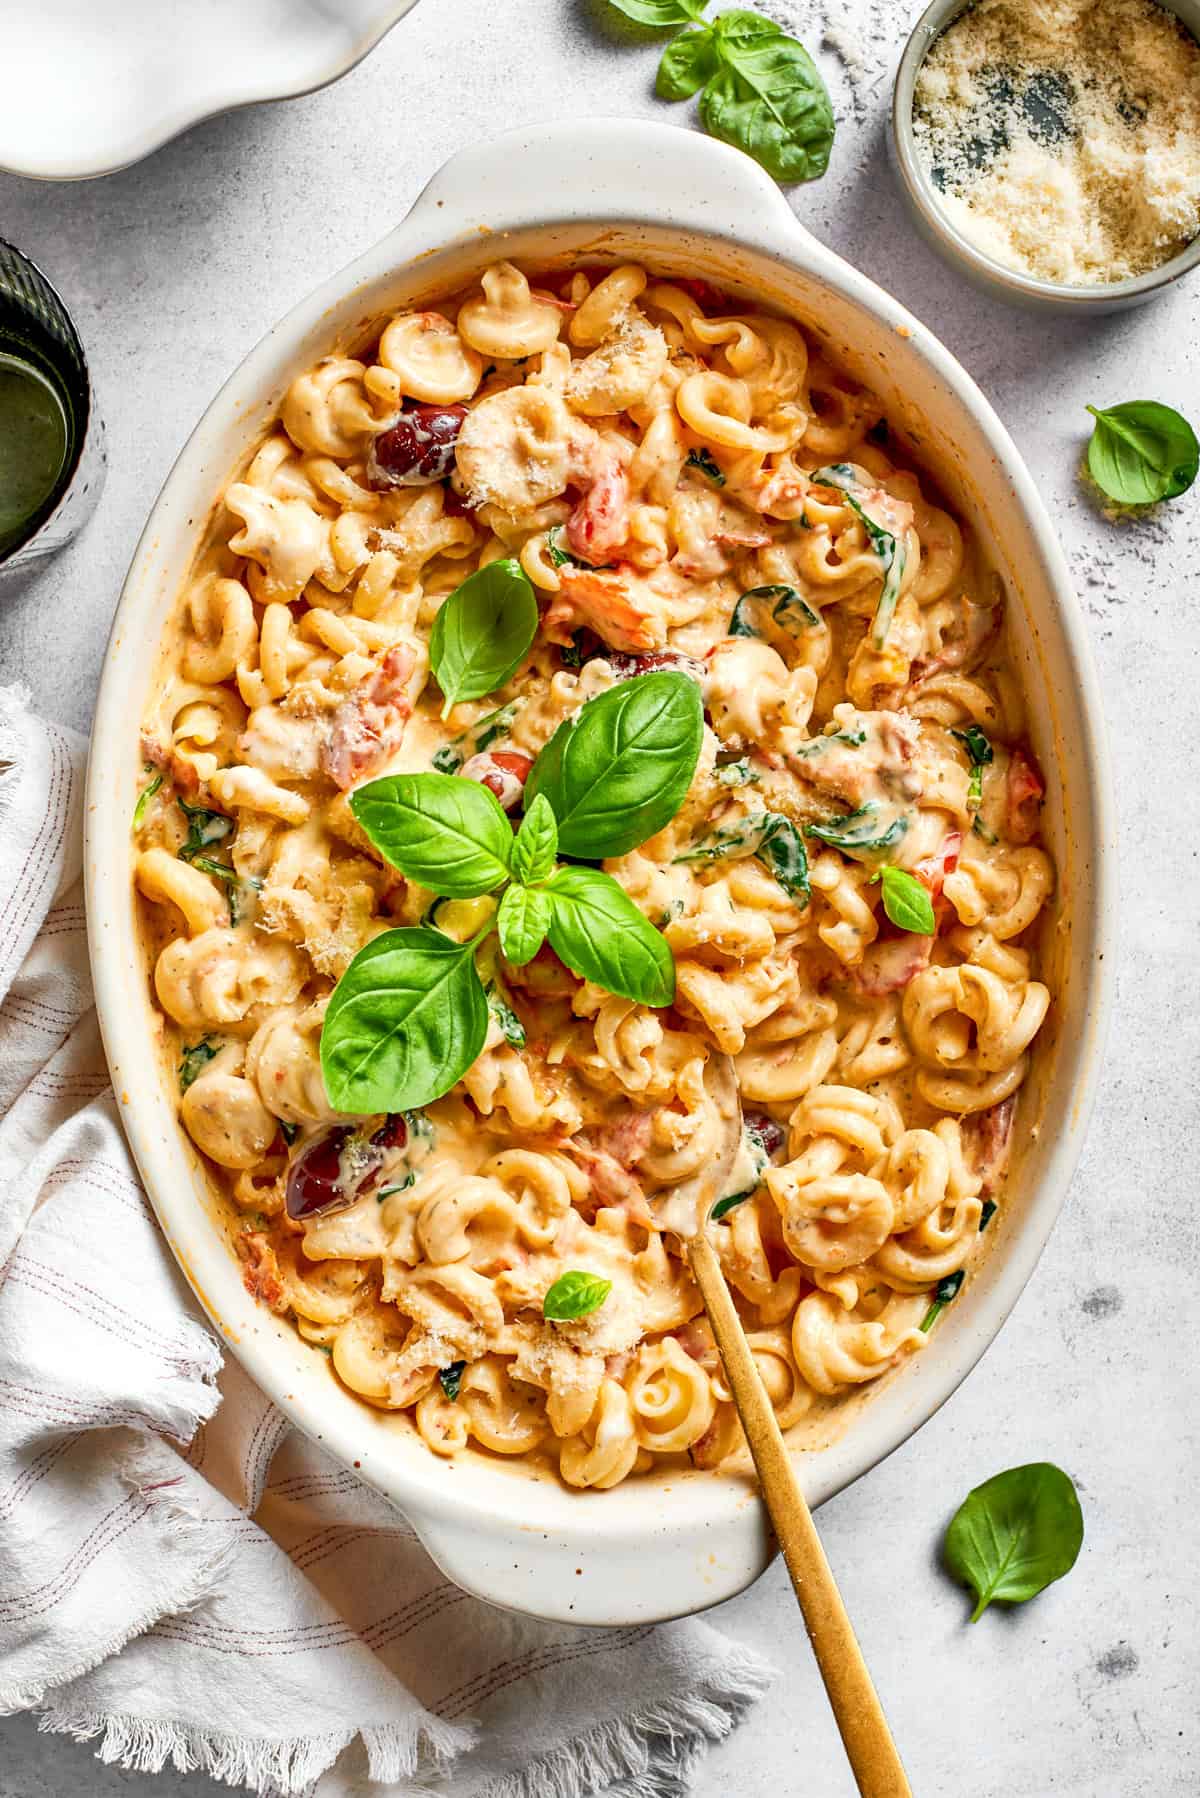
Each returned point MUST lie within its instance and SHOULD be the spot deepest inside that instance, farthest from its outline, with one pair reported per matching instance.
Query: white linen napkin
(184, 1578)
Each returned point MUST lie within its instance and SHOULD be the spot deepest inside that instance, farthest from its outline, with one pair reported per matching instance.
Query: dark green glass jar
(51, 438)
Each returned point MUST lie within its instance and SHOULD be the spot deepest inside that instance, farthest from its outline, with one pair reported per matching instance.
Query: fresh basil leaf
(857, 833)
(451, 1378)
(406, 1020)
(194, 1059)
(788, 610)
(448, 834)
(144, 797)
(575, 1294)
(907, 901)
(482, 632)
(1142, 452)
(536, 843)
(205, 827)
(687, 63)
(522, 923)
(783, 854)
(510, 1024)
(661, 14)
(620, 769)
(706, 464)
(768, 99)
(601, 935)
(1015, 1535)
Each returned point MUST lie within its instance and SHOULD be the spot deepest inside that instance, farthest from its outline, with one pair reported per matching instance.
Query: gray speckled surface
(173, 269)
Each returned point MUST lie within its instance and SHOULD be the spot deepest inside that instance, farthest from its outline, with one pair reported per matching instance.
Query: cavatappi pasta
(650, 452)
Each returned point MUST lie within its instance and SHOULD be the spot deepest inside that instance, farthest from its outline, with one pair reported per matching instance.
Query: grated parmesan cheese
(1063, 136)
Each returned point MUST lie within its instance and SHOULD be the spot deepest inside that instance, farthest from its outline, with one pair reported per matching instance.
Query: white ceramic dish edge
(79, 70)
(639, 1552)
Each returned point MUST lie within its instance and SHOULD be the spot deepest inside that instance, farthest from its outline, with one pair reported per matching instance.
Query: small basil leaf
(482, 632)
(601, 935)
(660, 15)
(907, 902)
(194, 1060)
(406, 1020)
(858, 833)
(620, 769)
(575, 1294)
(687, 63)
(768, 99)
(451, 1379)
(144, 797)
(522, 923)
(450, 835)
(1142, 452)
(536, 843)
(788, 610)
(1015, 1535)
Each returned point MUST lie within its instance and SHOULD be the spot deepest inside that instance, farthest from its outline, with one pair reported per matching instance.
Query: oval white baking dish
(613, 190)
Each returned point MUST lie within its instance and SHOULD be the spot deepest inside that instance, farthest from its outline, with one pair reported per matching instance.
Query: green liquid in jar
(34, 437)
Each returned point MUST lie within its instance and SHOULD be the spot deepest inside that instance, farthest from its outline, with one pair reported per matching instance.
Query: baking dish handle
(578, 1571)
(620, 169)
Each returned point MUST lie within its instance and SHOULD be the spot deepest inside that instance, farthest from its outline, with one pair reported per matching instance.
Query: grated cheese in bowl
(1063, 136)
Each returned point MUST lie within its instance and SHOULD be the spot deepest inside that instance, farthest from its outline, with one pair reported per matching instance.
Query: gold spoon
(684, 1210)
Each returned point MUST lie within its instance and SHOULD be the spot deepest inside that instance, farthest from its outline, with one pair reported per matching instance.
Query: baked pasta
(849, 884)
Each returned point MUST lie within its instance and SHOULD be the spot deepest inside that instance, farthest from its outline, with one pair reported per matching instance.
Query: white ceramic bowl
(612, 189)
(87, 88)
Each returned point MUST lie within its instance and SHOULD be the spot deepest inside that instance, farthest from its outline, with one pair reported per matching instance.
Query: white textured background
(174, 269)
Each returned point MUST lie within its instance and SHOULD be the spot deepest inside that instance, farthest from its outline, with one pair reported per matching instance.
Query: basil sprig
(482, 632)
(451, 1379)
(759, 89)
(1141, 452)
(575, 1294)
(906, 900)
(1015, 1535)
(888, 550)
(619, 769)
(410, 1014)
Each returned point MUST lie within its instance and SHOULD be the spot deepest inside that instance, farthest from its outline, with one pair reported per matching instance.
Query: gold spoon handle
(868, 1740)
